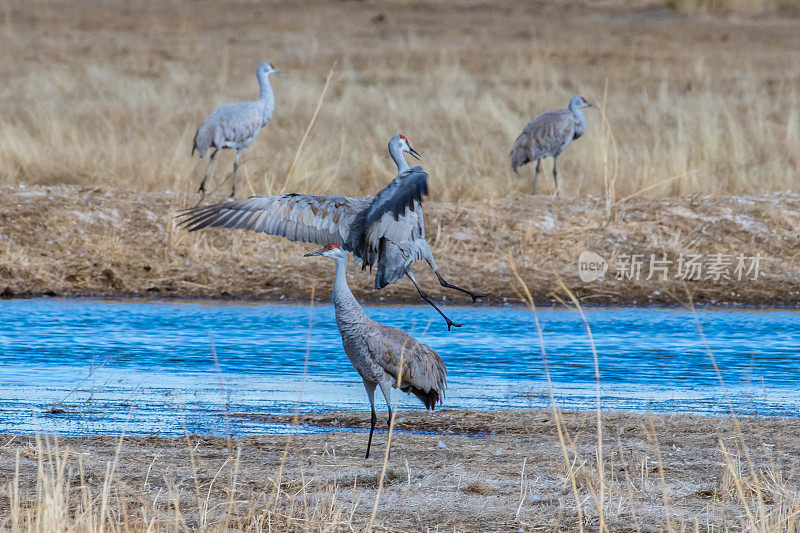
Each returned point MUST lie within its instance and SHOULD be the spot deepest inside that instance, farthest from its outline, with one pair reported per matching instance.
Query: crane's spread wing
(396, 212)
(549, 132)
(423, 371)
(298, 217)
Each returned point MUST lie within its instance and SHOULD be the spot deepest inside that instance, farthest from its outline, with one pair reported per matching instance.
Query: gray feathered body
(392, 245)
(233, 126)
(236, 126)
(386, 231)
(376, 350)
(547, 135)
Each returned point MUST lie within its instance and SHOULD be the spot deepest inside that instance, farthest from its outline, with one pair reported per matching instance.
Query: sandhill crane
(386, 230)
(380, 352)
(547, 135)
(236, 125)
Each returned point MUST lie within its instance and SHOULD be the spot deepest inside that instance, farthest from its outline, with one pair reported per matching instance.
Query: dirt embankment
(77, 241)
(524, 471)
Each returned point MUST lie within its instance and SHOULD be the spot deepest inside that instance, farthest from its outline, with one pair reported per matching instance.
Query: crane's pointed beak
(318, 252)
(414, 153)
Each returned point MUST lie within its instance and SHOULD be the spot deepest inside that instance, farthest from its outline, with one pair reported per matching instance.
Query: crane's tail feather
(520, 153)
(519, 157)
(429, 399)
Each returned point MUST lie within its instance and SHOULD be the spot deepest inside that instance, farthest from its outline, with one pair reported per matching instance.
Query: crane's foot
(425, 297)
(476, 295)
(451, 323)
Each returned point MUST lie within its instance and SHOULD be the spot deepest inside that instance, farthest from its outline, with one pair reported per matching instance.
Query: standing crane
(384, 356)
(547, 135)
(236, 125)
(386, 230)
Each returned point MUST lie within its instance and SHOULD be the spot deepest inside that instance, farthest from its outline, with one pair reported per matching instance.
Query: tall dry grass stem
(388, 444)
(296, 416)
(311, 122)
(609, 175)
(528, 299)
(600, 463)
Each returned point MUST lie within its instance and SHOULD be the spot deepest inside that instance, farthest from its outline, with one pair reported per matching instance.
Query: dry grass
(739, 7)
(72, 492)
(104, 95)
(110, 94)
(113, 242)
(658, 473)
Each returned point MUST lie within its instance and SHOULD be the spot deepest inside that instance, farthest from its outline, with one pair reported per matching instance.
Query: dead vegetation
(100, 103)
(82, 241)
(99, 94)
(476, 471)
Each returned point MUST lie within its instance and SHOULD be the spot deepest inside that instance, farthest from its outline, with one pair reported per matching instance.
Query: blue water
(147, 367)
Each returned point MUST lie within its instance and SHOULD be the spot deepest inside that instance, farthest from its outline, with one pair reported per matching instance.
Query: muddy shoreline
(99, 242)
(525, 471)
(389, 303)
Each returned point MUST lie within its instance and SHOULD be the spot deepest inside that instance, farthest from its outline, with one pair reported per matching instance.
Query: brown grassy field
(95, 93)
(448, 471)
(694, 151)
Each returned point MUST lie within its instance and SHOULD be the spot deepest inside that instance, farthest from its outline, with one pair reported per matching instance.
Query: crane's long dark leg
(386, 389)
(233, 179)
(444, 283)
(425, 297)
(374, 418)
(536, 175)
(555, 176)
(208, 171)
(387, 395)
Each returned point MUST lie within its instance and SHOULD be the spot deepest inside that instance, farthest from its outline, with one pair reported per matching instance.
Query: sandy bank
(65, 240)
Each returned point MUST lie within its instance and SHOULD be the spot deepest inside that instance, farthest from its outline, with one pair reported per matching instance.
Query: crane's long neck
(348, 310)
(580, 120)
(397, 156)
(266, 97)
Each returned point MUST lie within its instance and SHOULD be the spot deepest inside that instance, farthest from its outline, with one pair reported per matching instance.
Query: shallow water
(150, 367)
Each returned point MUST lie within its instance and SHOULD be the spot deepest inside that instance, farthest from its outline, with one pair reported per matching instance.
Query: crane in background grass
(384, 356)
(236, 126)
(547, 135)
(386, 230)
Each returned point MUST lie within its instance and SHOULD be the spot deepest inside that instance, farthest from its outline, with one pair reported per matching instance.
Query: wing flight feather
(298, 217)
